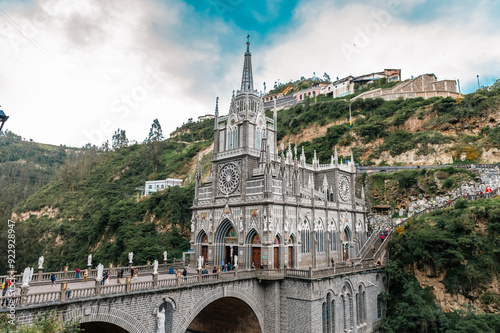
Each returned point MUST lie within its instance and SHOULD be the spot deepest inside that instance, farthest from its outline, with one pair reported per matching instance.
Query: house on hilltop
(339, 88)
(425, 86)
(152, 186)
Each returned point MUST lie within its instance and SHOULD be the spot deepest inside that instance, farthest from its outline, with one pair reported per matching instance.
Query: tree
(326, 77)
(154, 145)
(119, 139)
(155, 132)
(105, 146)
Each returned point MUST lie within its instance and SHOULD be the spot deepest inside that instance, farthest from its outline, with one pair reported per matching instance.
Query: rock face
(441, 155)
(455, 302)
(45, 211)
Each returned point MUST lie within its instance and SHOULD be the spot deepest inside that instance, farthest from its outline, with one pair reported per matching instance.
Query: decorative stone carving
(229, 178)
(41, 259)
(344, 188)
(160, 318)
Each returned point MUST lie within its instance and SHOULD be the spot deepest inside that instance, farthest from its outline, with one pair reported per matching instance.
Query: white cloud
(325, 33)
(89, 67)
(86, 69)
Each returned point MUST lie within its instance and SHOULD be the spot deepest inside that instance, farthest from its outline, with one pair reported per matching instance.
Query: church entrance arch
(347, 244)
(253, 249)
(226, 243)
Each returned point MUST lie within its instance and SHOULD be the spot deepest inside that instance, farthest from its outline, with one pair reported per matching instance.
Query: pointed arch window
(306, 238)
(328, 314)
(232, 138)
(259, 132)
(333, 235)
(258, 138)
(320, 237)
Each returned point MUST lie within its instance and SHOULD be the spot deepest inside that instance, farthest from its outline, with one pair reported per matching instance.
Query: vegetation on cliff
(396, 188)
(468, 126)
(460, 246)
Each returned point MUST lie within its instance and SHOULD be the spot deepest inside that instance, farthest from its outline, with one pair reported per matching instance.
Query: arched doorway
(347, 243)
(226, 243)
(215, 317)
(100, 326)
(277, 251)
(291, 251)
(202, 241)
(254, 249)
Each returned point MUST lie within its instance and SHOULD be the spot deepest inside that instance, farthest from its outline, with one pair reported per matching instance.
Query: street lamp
(3, 119)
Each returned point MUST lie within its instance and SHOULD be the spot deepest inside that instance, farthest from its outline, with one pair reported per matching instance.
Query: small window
(150, 187)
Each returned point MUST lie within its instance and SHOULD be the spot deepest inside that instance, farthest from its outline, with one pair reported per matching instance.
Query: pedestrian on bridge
(77, 271)
(6, 293)
(53, 279)
(85, 275)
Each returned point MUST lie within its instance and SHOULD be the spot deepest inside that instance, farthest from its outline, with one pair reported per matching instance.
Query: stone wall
(425, 86)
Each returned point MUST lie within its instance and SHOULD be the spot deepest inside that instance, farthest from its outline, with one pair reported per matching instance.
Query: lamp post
(3, 119)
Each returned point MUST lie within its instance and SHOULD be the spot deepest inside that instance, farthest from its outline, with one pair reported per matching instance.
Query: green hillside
(93, 206)
(25, 167)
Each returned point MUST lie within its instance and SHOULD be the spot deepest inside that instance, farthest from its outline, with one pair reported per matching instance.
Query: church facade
(267, 207)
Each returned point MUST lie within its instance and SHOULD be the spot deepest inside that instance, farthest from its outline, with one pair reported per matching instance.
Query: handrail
(369, 241)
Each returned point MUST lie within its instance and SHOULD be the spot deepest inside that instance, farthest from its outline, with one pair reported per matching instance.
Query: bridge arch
(108, 315)
(219, 294)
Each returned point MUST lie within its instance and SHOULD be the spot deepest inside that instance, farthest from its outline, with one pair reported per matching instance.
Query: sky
(74, 71)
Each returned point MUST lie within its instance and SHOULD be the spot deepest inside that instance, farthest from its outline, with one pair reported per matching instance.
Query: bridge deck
(43, 295)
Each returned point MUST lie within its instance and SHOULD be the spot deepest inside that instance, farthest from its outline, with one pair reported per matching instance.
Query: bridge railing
(113, 289)
(82, 293)
(297, 272)
(65, 293)
(369, 243)
(39, 298)
(143, 285)
(43, 278)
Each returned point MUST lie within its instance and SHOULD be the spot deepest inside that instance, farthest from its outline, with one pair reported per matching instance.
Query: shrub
(448, 183)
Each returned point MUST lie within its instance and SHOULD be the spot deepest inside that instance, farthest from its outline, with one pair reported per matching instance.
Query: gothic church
(267, 207)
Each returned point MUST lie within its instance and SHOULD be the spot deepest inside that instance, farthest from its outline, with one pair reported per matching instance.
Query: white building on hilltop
(159, 185)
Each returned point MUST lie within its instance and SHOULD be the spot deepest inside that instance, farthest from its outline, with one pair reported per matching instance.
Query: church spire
(216, 118)
(247, 78)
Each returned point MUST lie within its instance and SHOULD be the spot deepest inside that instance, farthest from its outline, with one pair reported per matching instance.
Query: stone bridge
(344, 297)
